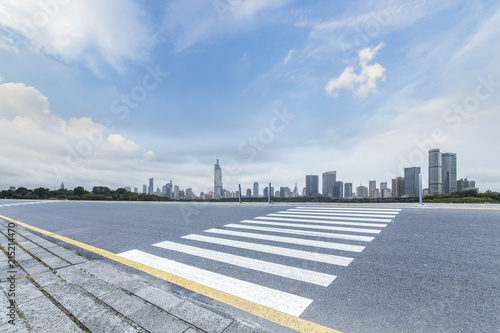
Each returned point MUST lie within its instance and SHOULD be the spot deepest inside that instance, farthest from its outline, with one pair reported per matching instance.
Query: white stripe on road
(314, 226)
(359, 224)
(368, 219)
(281, 251)
(303, 232)
(291, 240)
(290, 272)
(346, 208)
(342, 211)
(302, 211)
(279, 300)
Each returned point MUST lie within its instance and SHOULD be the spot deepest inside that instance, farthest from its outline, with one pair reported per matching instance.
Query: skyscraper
(398, 187)
(372, 185)
(411, 181)
(348, 190)
(361, 191)
(151, 189)
(295, 191)
(217, 181)
(383, 188)
(435, 172)
(338, 190)
(329, 178)
(144, 188)
(449, 172)
(312, 185)
(255, 189)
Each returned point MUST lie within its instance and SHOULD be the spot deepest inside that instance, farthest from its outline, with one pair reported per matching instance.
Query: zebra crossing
(307, 247)
(26, 203)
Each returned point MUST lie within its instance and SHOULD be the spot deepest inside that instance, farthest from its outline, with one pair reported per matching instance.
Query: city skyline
(115, 93)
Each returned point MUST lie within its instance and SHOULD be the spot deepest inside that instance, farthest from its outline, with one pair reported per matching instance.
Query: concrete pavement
(47, 288)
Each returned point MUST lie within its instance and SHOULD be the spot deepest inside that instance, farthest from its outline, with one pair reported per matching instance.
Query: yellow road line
(272, 315)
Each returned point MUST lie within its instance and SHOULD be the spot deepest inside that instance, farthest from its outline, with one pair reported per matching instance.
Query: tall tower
(217, 181)
(449, 172)
(255, 189)
(312, 185)
(329, 179)
(151, 189)
(411, 181)
(435, 172)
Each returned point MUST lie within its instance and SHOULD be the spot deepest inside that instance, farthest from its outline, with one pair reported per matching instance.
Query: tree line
(79, 193)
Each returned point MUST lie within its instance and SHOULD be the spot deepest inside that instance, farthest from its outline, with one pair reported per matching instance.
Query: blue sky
(115, 92)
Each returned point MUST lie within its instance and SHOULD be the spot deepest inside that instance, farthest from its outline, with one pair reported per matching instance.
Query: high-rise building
(255, 189)
(312, 185)
(383, 188)
(217, 181)
(136, 190)
(266, 191)
(411, 183)
(295, 191)
(285, 192)
(435, 172)
(144, 188)
(372, 185)
(398, 187)
(338, 190)
(361, 192)
(348, 190)
(329, 178)
(151, 189)
(176, 192)
(449, 172)
(249, 193)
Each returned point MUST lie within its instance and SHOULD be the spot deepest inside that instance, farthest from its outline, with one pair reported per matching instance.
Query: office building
(435, 172)
(266, 191)
(285, 192)
(144, 188)
(398, 187)
(449, 177)
(361, 192)
(151, 189)
(411, 181)
(136, 190)
(338, 190)
(295, 191)
(312, 185)
(372, 185)
(383, 187)
(255, 189)
(348, 190)
(249, 193)
(329, 179)
(217, 181)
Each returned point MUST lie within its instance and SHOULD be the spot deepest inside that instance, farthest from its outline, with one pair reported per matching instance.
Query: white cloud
(362, 83)
(8, 44)
(111, 31)
(41, 149)
(288, 57)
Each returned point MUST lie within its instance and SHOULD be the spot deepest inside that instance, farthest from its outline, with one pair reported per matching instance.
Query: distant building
(295, 191)
(150, 188)
(465, 184)
(435, 172)
(312, 185)
(256, 189)
(375, 194)
(62, 186)
(12, 188)
(398, 187)
(411, 182)
(128, 188)
(266, 191)
(338, 190)
(169, 189)
(136, 190)
(386, 193)
(361, 192)
(372, 185)
(144, 188)
(176, 192)
(383, 187)
(449, 172)
(249, 193)
(348, 190)
(217, 181)
(328, 181)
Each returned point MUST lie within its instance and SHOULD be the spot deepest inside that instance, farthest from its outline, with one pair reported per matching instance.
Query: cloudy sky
(115, 92)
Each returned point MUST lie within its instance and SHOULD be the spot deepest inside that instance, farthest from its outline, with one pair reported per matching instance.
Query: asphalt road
(428, 269)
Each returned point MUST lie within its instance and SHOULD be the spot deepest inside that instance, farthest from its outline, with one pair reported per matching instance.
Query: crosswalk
(27, 203)
(276, 260)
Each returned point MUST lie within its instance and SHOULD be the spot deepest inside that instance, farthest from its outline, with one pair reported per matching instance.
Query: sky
(115, 92)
